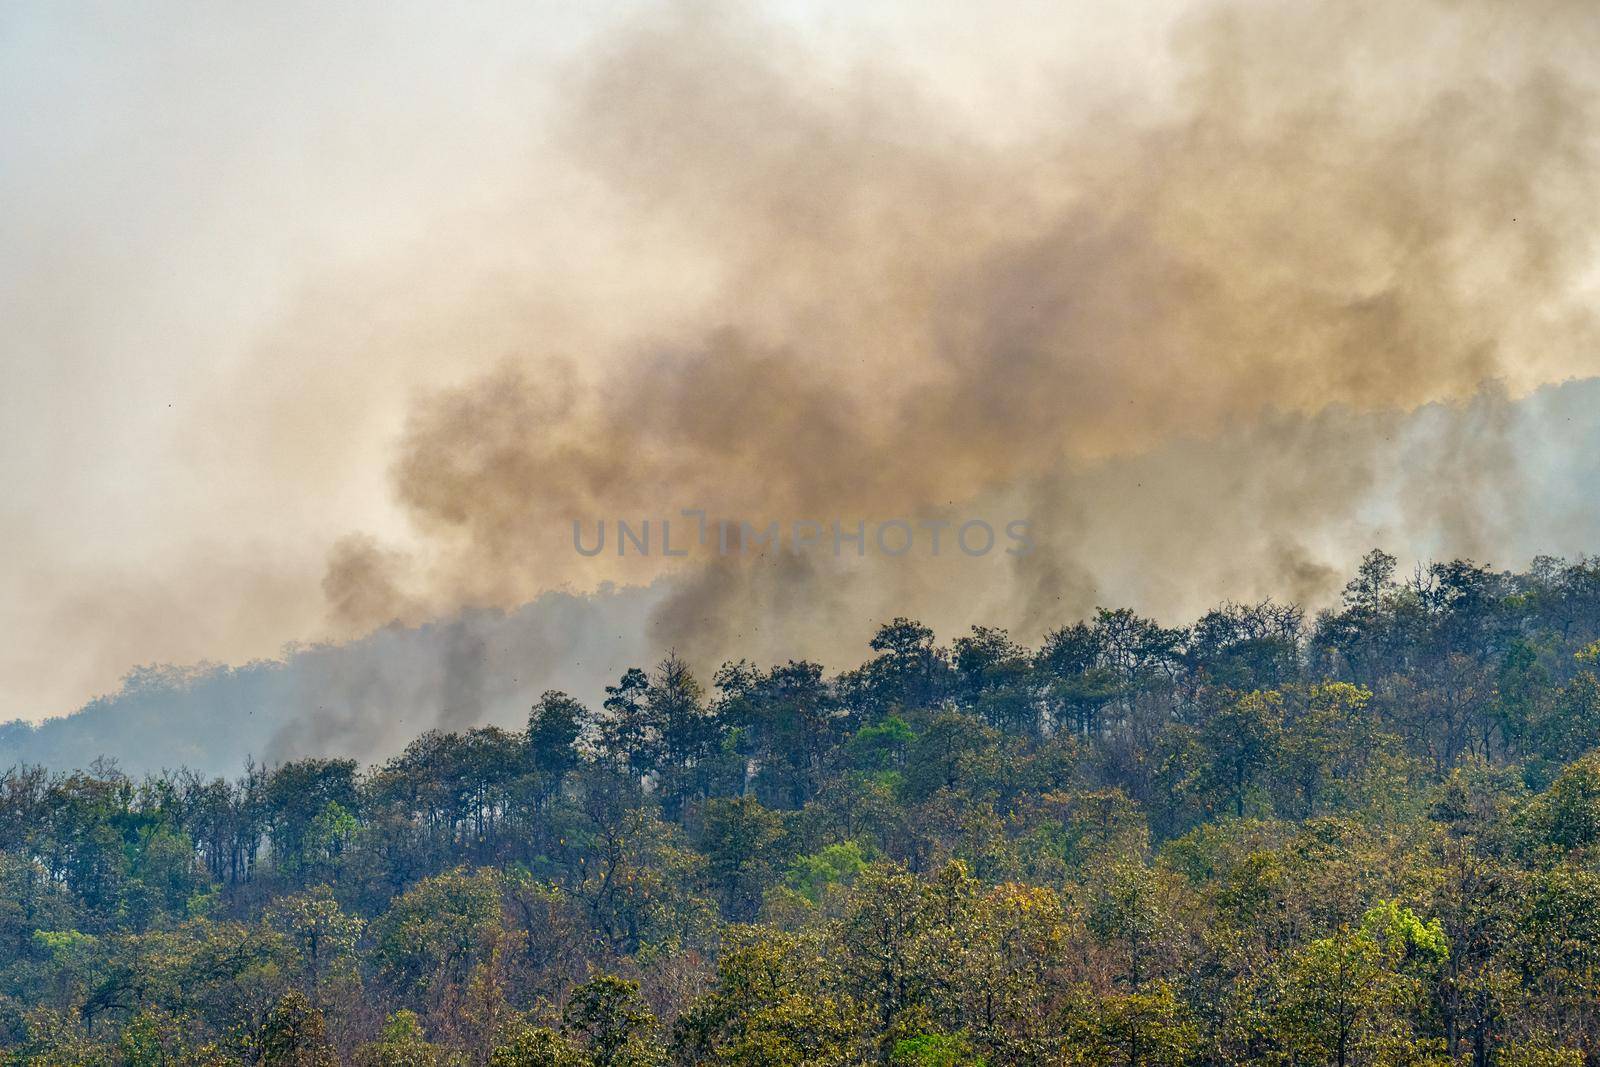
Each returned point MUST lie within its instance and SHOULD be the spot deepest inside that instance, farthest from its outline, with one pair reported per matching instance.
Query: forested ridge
(1367, 837)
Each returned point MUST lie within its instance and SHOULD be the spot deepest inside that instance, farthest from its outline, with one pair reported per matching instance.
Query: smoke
(1140, 531)
(1344, 212)
(1214, 320)
(363, 699)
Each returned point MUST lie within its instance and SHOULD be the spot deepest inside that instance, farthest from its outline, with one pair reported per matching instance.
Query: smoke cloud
(1303, 279)
(1341, 213)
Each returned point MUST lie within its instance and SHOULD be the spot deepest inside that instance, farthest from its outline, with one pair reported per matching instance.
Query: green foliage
(1146, 1026)
(526, 1044)
(434, 931)
(882, 745)
(404, 1043)
(835, 865)
(935, 1050)
(743, 842)
(608, 1018)
(770, 1005)
(295, 1035)
(322, 939)
(1371, 838)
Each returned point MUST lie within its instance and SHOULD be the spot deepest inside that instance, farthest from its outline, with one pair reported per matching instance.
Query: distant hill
(363, 699)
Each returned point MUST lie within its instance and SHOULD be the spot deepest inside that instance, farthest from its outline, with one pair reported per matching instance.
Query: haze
(317, 320)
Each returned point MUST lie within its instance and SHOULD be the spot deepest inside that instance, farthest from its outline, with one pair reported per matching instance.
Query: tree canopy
(1367, 837)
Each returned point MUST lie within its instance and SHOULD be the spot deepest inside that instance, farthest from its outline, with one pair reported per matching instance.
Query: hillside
(1364, 838)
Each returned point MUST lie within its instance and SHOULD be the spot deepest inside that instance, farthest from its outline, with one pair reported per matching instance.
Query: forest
(1364, 836)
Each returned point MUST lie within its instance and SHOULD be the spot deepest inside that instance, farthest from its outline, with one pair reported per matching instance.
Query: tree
(788, 721)
(405, 1044)
(323, 940)
(909, 671)
(296, 794)
(1130, 911)
(295, 1035)
(743, 843)
(883, 949)
(1354, 997)
(435, 931)
(993, 677)
(1147, 1027)
(625, 738)
(526, 1044)
(687, 732)
(944, 754)
(608, 1017)
(554, 726)
(768, 1007)
(1566, 816)
(1243, 744)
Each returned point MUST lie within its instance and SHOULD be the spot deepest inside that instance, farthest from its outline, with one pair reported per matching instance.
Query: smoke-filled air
(1212, 297)
(800, 533)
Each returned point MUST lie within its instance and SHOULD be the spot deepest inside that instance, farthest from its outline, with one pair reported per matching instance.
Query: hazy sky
(184, 186)
(238, 242)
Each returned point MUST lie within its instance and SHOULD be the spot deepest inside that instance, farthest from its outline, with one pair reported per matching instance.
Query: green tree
(769, 1007)
(295, 1036)
(608, 1017)
(1356, 997)
(322, 937)
(438, 929)
(1243, 743)
(404, 1043)
(744, 847)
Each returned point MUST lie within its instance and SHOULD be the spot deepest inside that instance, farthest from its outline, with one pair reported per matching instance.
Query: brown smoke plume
(1188, 328)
